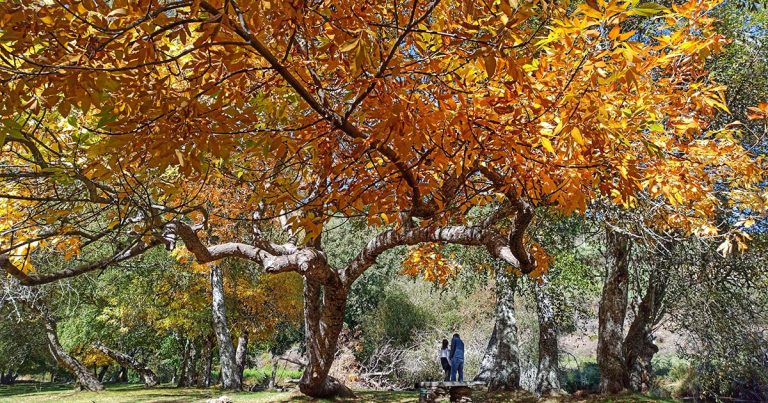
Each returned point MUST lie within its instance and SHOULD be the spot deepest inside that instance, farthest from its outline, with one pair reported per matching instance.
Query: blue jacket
(457, 348)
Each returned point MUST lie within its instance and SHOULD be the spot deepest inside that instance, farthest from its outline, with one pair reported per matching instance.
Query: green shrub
(260, 376)
(584, 377)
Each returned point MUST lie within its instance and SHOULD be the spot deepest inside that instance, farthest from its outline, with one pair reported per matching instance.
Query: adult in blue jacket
(457, 358)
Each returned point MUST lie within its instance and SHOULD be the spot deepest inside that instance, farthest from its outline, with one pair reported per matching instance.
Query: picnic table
(430, 391)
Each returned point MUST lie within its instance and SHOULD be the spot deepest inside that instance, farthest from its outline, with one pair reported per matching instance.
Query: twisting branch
(136, 249)
(474, 235)
(307, 261)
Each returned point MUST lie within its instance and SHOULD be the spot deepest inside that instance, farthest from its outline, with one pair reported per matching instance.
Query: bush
(584, 377)
(395, 321)
(261, 375)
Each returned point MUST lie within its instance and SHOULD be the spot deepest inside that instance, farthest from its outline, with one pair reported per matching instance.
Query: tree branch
(136, 249)
(463, 235)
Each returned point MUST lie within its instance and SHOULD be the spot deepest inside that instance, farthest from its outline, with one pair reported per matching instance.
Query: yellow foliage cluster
(429, 262)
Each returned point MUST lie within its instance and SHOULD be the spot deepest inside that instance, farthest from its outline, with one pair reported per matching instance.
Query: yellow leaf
(547, 145)
(648, 9)
(576, 134)
(349, 45)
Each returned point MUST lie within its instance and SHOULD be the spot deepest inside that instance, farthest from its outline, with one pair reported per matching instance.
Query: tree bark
(187, 367)
(547, 381)
(191, 370)
(207, 361)
(102, 372)
(489, 358)
(323, 320)
(500, 366)
(227, 360)
(85, 379)
(241, 355)
(638, 345)
(125, 360)
(506, 374)
(613, 309)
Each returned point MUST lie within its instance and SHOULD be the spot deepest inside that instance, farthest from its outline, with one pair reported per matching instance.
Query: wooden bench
(430, 391)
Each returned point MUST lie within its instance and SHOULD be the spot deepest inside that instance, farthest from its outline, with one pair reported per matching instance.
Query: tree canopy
(242, 128)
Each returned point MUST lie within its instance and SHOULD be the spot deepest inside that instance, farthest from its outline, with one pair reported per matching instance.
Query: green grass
(129, 393)
(45, 392)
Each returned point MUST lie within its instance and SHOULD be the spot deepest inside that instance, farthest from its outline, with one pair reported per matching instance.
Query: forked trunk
(323, 321)
(85, 378)
(229, 377)
(639, 346)
(547, 381)
(125, 360)
(613, 309)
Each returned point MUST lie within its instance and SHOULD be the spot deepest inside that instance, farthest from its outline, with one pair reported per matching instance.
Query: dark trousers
(446, 368)
(457, 367)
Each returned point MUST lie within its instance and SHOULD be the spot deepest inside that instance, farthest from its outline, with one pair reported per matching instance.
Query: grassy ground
(36, 392)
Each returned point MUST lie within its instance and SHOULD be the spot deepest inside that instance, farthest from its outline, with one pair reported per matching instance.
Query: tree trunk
(241, 355)
(229, 378)
(102, 372)
(125, 360)
(9, 378)
(187, 367)
(500, 366)
(191, 370)
(123, 374)
(85, 379)
(638, 345)
(207, 361)
(489, 359)
(613, 309)
(273, 377)
(547, 381)
(323, 321)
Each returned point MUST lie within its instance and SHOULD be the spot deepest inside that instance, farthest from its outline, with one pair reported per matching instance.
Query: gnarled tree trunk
(613, 309)
(547, 381)
(125, 360)
(241, 355)
(229, 377)
(489, 358)
(323, 321)
(639, 346)
(500, 366)
(85, 378)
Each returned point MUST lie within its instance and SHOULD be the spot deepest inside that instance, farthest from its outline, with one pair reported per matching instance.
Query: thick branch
(125, 360)
(462, 235)
(37, 279)
(309, 262)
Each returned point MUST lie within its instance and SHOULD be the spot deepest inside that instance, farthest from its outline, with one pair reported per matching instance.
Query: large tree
(240, 129)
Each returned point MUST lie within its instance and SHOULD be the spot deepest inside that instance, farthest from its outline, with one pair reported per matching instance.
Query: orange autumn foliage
(300, 110)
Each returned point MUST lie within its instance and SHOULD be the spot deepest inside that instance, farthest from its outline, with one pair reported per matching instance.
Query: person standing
(445, 362)
(457, 358)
